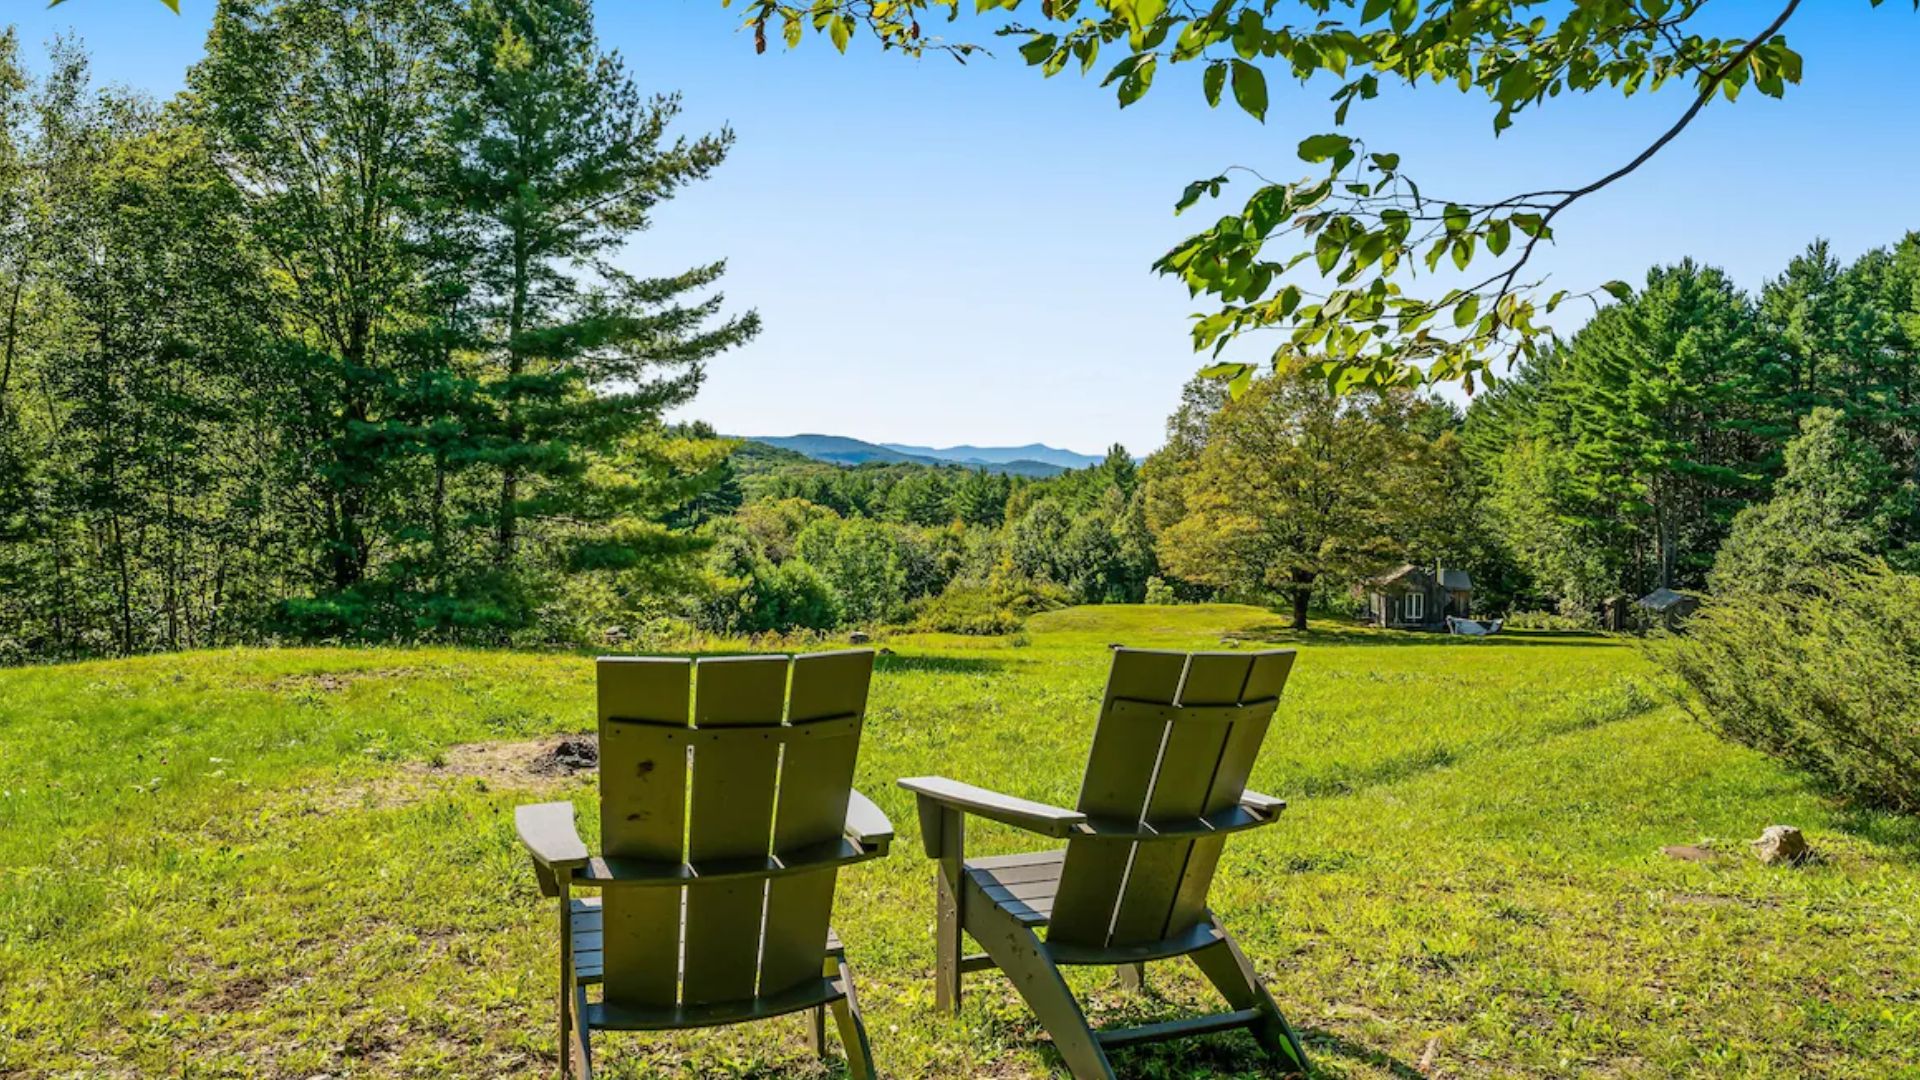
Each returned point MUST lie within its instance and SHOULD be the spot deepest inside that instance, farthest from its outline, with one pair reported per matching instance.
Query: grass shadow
(894, 663)
(1237, 1054)
(1281, 634)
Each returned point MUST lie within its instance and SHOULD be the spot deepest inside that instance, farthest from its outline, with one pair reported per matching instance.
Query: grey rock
(1781, 844)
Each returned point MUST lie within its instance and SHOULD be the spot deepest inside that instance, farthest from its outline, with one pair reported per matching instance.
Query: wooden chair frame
(684, 898)
(1003, 903)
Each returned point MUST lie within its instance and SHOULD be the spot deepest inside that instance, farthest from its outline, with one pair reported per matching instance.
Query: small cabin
(1415, 598)
(1665, 607)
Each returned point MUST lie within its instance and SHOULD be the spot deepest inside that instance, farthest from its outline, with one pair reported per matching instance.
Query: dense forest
(334, 346)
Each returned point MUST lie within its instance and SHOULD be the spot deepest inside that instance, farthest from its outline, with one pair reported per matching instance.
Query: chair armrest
(1020, 813)
(548, 833)
(1264, 805)
(867, 824)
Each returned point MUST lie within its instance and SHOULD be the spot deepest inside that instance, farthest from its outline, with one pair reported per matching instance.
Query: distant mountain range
(1034, 459)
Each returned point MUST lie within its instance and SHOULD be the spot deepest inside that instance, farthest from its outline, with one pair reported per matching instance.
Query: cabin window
(1416, 607)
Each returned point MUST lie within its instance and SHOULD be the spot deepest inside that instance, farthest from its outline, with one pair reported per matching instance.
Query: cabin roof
(1662, 599)
(1449, 579)
(1392, 576)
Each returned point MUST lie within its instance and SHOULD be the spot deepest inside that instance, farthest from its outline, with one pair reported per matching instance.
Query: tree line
(336, 343)
(1690, 436)
(1621, 461)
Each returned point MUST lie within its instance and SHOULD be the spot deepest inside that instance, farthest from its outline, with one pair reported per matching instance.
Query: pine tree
(559, 161)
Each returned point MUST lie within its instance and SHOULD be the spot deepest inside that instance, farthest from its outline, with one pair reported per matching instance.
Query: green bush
(1159, 592)
(1826, 677)
(999, 605)
(1550, 620)
(967, 610)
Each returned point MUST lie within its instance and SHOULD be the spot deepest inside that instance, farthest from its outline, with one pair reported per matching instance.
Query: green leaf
(1250, 89)
(1467, 310)
(1038, 48)
(1213, 81)
(841, 31)
(1138, 80)
(1619, 290)
(1337, 148)
(1499, 235)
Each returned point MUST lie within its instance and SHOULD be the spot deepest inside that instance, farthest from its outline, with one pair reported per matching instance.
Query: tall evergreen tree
(560, 161)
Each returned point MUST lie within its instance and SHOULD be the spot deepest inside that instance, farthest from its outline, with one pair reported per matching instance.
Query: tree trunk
(508, 532)
(1302, 592)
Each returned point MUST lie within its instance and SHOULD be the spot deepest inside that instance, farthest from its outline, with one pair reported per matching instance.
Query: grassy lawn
(248, 864)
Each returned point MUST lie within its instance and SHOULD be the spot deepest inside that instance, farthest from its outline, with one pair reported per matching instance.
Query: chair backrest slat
(815, 776)
(742, 784)
(643, 791)
(1155, 765)
(731, 818)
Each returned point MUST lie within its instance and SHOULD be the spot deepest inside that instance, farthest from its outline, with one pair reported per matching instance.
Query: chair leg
(1228, 969)
(817, 1030)
(1132, 978)
(1020, 954)
(853, 1029)
(581, 1052)
(949, 915)
(565, 1045)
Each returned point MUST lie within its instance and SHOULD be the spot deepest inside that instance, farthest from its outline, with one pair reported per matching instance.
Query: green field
(269, 863)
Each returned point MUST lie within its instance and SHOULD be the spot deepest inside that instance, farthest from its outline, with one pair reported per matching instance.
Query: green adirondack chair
(720, 845)
(1165, 784)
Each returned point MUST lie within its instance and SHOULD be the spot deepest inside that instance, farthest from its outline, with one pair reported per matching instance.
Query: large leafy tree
(1837, 502)
(1295, 486)
(1330, 260)
(321, 112)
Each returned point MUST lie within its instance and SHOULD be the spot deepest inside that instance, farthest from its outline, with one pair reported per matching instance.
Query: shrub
(968, 610)
(998, 606)
(1551, 620)
(1826, 677)
(1159, 592)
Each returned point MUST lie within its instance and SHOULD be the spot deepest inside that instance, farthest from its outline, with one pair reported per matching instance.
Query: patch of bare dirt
(332, 682)
(239, 995)
(519, 764)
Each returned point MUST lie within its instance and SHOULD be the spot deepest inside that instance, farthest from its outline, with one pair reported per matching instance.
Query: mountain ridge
(967, 454)
(1033, 459)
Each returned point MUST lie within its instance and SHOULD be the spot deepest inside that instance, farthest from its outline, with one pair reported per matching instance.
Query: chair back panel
(1168, 768)
(750, 788)
(1118, 777)
(816, 775)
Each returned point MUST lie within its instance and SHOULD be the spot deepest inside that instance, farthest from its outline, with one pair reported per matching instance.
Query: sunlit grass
(242, 863)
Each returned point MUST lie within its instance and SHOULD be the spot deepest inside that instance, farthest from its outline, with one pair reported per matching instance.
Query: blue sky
(947, 254)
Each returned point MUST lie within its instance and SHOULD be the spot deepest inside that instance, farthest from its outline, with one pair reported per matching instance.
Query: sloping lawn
(267, 863)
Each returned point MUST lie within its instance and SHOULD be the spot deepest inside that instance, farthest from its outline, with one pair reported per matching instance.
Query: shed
(1410, 597)
(1668, 606)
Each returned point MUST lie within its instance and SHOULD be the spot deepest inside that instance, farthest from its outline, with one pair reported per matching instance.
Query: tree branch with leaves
(1332, 262)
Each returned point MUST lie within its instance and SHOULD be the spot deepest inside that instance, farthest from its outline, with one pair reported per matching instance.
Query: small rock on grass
(1782, 844)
